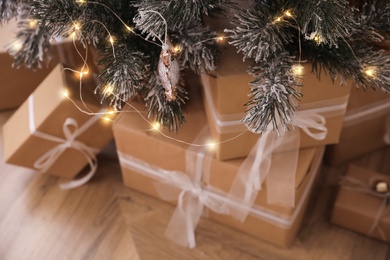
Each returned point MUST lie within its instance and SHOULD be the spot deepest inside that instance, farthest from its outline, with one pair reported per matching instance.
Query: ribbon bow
(260, 164)
(191, 195)
(352, 184)
(46, 160)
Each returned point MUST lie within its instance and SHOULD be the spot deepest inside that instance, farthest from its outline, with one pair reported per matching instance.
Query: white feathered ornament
(169, 70)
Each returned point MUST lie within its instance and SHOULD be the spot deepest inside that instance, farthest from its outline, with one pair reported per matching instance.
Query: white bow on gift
(46, 160)
(258, 166)
(186, 188)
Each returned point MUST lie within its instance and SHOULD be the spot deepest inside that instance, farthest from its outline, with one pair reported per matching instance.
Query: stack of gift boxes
(258, 184)
(214, 165)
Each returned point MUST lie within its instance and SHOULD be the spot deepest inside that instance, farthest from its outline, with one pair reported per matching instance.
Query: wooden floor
(104, 220)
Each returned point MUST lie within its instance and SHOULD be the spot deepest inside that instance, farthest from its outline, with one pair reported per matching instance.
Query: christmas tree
(145, 46)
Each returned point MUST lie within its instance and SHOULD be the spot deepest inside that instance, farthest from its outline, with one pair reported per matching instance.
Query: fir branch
(9, 10)
(32, 46)
(258, 34)
(375, 72)
(167, 114)
(375, 21)
(178, 14)
(328, 20)
(197, 48)
(273, 95)
(123, 74)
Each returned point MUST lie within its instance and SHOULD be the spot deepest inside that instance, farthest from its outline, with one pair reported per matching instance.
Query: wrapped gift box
(360, 207)
(226, 92)
(49, 126)
(146, 157)
(366, 126)
(17, 84)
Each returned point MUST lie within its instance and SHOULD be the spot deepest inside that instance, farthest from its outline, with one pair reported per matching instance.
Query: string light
(16, 45)
(156, 126)
(106, 118)
(370, 71)
(81, 1)
(278, 19)
(129, 28)
(211, 145)
(33, 24)
(65, 93)
(108, 90)
(297, 69)
(177, 49)
(111, 39)
(220, 38)
(288, 13)
(77, 26)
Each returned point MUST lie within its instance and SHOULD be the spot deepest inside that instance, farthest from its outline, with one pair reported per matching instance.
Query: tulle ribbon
(258, 166)
(71, 131)
(187, 188)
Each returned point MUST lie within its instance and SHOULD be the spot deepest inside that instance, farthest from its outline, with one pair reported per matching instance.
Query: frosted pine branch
(258, 34)
(274, 95)
(167, 114)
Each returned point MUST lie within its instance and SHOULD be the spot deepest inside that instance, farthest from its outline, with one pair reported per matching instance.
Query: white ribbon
(46, 160)
(191, 195)
(259, 163)
(280, 177)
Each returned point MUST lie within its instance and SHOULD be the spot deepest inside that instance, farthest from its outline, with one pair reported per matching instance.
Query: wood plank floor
(104, 220)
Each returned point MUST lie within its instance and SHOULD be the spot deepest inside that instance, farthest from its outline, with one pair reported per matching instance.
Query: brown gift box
(358, 210)
(16, 84)
(365, 127)
(273, 223)
(227, 91)
(50, 111)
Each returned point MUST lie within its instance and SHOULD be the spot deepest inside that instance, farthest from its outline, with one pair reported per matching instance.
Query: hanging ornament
(169, 70)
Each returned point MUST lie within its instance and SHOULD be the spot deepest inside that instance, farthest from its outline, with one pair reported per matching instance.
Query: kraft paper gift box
(16, 84)
(362, 203)
(147, 157)
(50, 134)
(366, 126)
(226, 92)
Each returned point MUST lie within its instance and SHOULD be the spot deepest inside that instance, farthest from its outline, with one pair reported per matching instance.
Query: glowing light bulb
(81, 1)
(129, 28)
(288, 13)
(33, 24)
(65, 93)
(111, 112)
(108, 90)
(156, 126)
(16, 45)
(297, 69)
(111, 40)
(177, 49)
(278, 19)
(77, 26)
(73, 34)
(370, 71)
(106, 118)
(211, 145)
(220, 39)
